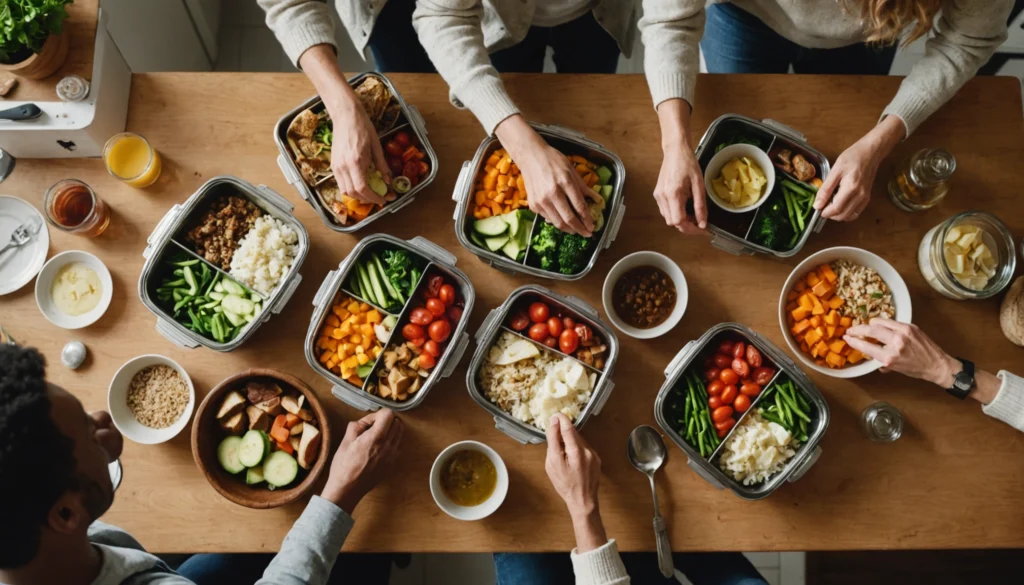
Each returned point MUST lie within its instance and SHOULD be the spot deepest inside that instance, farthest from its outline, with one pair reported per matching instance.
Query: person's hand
(554, 188)
(575, 471)
(107, 434)
(364, 458)
(356, 146)
(846, 191)
(904, 348)
(680, 178)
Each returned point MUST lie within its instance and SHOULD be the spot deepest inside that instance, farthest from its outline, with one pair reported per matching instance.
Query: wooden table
(952, 480)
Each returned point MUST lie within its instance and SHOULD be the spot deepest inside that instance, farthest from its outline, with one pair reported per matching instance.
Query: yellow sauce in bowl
(76, 289)
(469, 478)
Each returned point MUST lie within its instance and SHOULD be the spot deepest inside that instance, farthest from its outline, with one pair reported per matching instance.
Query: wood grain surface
(952, 481)
(83, 16)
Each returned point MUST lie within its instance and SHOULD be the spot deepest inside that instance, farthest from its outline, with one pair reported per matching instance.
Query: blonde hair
(888, 20)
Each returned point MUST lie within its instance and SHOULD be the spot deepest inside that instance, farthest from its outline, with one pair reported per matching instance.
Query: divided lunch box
(688, 357)
(567, 142)
(410, 120)
(733, 232)
(437, 261)
(169, 237)
(494, 325)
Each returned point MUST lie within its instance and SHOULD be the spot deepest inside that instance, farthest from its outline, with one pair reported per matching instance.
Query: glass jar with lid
(923, 181)
(971, 255)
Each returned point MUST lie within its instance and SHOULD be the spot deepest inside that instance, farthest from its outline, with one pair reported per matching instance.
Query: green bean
(771, 417)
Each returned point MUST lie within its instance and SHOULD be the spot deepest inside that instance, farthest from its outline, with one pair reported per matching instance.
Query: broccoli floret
(766, 232)
(572, 254)
(547, 262)
(547, 239)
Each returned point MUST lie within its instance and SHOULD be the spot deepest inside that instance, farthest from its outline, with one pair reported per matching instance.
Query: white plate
(20, 265)
(45, 281)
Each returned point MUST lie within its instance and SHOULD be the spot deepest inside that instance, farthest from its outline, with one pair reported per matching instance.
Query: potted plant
(32, 43)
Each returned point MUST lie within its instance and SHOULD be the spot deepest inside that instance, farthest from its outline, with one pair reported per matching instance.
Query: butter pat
(76, 289)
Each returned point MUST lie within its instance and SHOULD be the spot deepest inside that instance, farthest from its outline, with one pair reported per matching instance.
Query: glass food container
(932, 262)
(923, 181)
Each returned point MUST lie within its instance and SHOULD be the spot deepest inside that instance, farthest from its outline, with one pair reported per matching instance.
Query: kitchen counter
(952, 481)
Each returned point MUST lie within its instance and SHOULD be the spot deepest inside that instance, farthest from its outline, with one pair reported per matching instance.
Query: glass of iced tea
(130, 158)
(72, 206)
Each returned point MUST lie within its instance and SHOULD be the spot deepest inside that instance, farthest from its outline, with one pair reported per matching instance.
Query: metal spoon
(647, 454)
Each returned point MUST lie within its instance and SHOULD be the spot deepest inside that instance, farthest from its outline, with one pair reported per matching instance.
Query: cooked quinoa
(157, 396)
(863, 291)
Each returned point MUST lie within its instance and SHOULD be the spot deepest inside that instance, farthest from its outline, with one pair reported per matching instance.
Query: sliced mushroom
(586, 356)
(399, 381)
(415, 385)
(390, 359)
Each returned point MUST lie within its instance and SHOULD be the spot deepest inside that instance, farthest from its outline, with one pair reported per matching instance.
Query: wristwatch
(963, 382)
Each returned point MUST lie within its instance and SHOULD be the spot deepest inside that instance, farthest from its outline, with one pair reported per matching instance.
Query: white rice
(865, 295)
(757, 450)
(265, 254)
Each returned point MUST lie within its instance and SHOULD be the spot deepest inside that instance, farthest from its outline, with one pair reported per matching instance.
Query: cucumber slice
(604, 174)
(253, 448)
(606, 191)
(254, 475)
(512, 248)
(219, 287)
(387, 283)
(227, 454)
(364, 279)
(497, 242)
(512, 219)
(234, 288)
(280, 469)
(477, 239)
(236, 320)
(491, 226)
(378, 289)
(217, 296)
(237, 305)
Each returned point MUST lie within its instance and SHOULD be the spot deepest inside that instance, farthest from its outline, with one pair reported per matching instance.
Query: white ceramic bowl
(45, 281)
(714, 169)
(657, 260)
(117, 402)
(900, 299)
(469, 512)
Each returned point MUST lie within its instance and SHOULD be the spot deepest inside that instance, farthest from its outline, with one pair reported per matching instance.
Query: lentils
(157, 396)
(644, 297)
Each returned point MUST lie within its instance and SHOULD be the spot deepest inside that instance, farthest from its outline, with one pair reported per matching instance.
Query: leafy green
(26, 24)
(573, 253)
(324, 134)
(402, 270)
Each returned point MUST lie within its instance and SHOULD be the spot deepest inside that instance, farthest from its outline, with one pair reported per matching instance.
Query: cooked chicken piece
(388, 118)
(785, 156)
(802, 169)
(301, 131)
(374, 96)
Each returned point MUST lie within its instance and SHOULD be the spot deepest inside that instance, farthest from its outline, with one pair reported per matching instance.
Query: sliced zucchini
(491, 226)
(496, 243)
(254, 475)
(227, 454)
(254, 447)
(280, 469)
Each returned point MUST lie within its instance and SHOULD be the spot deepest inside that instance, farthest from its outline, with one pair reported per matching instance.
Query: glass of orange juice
(131, 158)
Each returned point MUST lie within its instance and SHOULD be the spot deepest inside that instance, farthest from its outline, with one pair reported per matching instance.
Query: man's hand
(575, 471)
(554, 188)
(904, 348)
(680, 177)
(107, 434)
(846, 191)
(364, 458)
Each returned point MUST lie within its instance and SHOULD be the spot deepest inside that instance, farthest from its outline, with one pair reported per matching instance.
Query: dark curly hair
(37, 461)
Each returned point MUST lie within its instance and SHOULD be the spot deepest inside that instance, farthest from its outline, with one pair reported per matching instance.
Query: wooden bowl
(207, 434)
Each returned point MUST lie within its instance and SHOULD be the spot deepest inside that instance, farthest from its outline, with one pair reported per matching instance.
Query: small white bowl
(656, 260)
(117, 401)
(45, 281)
(714, 169)
(892, 278)
(469, 513)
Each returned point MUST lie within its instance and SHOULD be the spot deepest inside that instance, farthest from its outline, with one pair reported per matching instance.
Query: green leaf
(26, 24)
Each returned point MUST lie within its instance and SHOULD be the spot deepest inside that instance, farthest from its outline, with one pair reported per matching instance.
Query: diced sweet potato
(835, 360)
(823, 289)
(805, 301)
(801, 326)
(800, 313)
(835, 302)
(837, 346)
(821, 348)
(831, 318)
(829, 274)
(817, 321)
(812, 279)
(830, 331)
(846, 322)
(854, 357)
(812, 337)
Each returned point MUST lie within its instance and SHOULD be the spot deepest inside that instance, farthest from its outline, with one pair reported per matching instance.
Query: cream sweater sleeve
(966, 34)
(671, 31)
(450, 31)
(1008, 405)
(602, 566)
(299, 25)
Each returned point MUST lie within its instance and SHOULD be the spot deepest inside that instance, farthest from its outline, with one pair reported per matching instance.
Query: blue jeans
(736, 41)
(393, 42)
(699, 568)
(579, 46)
(246, 569)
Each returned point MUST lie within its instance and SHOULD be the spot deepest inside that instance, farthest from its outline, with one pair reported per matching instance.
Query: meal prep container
(565, 141)
(168, 238)
(777, 136)
(437, 258)
(413, 122)
(806, 455)
(494, 325)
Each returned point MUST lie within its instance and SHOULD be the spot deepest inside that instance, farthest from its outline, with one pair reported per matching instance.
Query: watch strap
(963, 382)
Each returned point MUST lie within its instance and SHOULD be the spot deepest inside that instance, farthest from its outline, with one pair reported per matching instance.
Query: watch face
(963, 382)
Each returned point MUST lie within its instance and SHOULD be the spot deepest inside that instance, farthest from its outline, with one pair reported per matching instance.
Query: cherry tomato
(568, 341)
(709, 362)
(568, 323)
(739, 350)
(725, 347)
(750, 390)
(715, 388)
(439, 330)
(742, 403)
(426, 361)
(551, 342)
(433, 286)
(714, 402)
(412, 171)
(711, 375)
(724, 426)
(754, 357)
(729, 394)
(395, 165)
(393, 148)
(412, 331)
(520, 321)
(554, 326)
(741, 368)
(421, 316)
(539, 312)
(436, 307)
(539, 331)
(402, 138)
(454, 314)
(722, 433)
(763, 375)
(418, 342)
(432, 347)
(728, 376)
(446, 294)
(722, 361)
(721, 413)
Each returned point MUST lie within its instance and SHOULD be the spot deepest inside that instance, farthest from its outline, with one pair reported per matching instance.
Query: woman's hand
(364, 458)
(575, 470)
(680, 177)
(107, 434)
(904, 348)
(846, 191)
(555, 190)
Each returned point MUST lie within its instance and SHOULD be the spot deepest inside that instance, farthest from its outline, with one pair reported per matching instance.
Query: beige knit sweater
(964, 37)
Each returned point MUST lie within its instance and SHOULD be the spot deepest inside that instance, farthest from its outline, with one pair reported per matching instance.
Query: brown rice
(865, 295)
